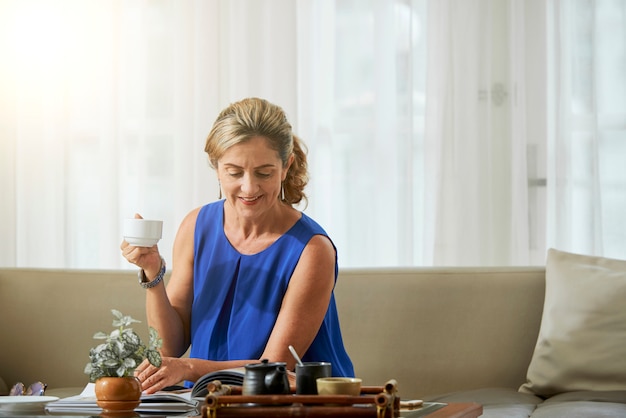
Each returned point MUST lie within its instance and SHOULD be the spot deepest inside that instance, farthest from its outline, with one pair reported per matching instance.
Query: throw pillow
(582, 337)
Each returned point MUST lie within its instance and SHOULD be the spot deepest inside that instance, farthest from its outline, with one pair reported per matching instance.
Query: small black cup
(307, 374)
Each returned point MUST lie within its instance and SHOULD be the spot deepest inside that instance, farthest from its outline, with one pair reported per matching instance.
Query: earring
(219, 185)
(282, 192)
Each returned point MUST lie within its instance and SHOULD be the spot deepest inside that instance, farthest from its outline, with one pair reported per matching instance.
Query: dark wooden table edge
(458, 410)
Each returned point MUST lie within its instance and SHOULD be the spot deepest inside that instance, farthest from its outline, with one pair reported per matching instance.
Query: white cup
(142, 232)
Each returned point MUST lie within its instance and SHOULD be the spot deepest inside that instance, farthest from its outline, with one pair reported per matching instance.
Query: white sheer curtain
(430, 138)
(105, 107)
(361, 107)
(475, 133)
(587, 194)
(419, 117)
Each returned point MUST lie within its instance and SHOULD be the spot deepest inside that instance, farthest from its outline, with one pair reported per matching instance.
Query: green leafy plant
(123, 350)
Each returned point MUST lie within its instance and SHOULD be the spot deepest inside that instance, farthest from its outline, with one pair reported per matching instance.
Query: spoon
(295, 355)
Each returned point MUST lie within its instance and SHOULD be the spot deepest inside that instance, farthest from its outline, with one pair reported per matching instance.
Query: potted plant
(113, 363)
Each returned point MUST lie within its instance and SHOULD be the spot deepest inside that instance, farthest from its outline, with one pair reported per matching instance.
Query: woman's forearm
(163, 317)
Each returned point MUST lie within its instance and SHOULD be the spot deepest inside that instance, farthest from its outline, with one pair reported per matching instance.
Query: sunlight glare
(37, 37)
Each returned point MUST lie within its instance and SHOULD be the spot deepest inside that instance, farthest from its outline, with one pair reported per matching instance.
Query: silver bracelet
(145, 283)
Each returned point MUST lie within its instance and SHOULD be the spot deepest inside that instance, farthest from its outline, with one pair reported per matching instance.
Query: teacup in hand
(142, 232)
(339, 386)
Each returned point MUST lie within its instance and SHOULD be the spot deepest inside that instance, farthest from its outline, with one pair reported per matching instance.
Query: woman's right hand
(171, 372)
(146, 258)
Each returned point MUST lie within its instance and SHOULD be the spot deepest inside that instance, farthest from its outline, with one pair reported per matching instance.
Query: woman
(252, 274)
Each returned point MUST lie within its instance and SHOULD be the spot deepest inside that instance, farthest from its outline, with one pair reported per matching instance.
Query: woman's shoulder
(311, 225)
(188, 224)
(209, 210)
(311, 232)
(204, 211)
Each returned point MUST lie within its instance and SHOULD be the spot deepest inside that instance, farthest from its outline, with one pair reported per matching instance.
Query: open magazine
(231, 377)
(174, 402)
(181, 401)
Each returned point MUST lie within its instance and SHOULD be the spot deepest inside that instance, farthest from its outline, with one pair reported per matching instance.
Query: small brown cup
(339, 386)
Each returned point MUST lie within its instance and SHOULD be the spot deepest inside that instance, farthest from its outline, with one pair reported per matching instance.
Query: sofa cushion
(615, 396)
(582, 338)
(496, 402)
(584, 405)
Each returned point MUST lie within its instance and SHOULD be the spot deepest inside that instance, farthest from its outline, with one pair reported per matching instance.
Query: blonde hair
(252, 117)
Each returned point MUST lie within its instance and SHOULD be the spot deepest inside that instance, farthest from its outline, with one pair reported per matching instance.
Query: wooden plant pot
(118, 394)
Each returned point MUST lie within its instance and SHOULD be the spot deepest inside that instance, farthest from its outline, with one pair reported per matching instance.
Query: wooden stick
(371, 390)
(293, 411)
(216, 400)
(384, 399)
(391, 386)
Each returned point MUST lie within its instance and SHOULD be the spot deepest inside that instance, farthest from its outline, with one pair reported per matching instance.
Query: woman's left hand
(154, 379)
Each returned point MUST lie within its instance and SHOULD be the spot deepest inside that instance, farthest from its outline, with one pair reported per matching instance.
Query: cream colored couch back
(49, 318)
(433, 330)
(439, 330)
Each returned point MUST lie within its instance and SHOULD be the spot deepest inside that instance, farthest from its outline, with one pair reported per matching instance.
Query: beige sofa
(465, 334)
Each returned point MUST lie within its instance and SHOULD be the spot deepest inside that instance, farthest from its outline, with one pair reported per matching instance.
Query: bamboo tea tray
(228, 402)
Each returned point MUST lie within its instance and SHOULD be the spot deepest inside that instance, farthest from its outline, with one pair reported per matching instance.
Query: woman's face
(251, 174)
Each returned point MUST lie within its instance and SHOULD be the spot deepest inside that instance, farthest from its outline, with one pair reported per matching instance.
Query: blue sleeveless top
(237, 297)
